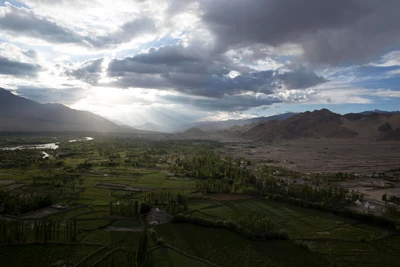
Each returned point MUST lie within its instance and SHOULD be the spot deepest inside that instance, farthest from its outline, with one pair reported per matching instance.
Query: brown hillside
(369, 126)
(194, 133)
(18, 114)
(325, 124)
(317, 124)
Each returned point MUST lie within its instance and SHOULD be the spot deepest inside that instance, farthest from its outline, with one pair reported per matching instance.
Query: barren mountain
(194, 133)
(325, 124)
(149, 127)
(21, 114)
(379, 112)
(212, 126)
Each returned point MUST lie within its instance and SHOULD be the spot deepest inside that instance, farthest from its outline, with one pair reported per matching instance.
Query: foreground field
(339, 240)
(167, 257)
(304, 223)
(45, 254)
(94, 179)
(225, 248)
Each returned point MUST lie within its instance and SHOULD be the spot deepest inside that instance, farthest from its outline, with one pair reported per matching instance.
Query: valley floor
(315, 238)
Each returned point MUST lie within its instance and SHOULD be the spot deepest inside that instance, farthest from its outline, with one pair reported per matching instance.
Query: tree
(141, 253)
(145, 208)
(136, 208)
(179, 199)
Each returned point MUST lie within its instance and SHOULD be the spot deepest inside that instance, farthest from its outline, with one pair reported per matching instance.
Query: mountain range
(18, 114)
(375, 125)
(221, 125)
(326, 124)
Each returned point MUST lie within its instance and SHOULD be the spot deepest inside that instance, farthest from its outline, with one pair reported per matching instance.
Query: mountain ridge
(210, 126)
(326, 124)
(19, 114)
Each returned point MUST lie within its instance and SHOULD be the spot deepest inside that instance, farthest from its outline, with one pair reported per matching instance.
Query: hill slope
(194, 133)
(211, 126)
(20, 114)
(325, 124)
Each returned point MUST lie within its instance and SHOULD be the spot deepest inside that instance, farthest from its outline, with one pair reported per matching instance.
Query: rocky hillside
(194, 133)
(326, 124)
(213, 126)
(21, 114)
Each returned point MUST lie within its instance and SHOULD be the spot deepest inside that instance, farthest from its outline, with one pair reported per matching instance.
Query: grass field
(94, 214)
(166, 257)
(234, 250)
(382, 252)
(117, 258)
(127, 223)
(44, 255)
(220, 211)
(203, 203)
(334, 238)
(70, 214)
(300, 222)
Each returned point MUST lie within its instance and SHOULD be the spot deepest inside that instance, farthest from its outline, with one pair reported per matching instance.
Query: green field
(304, 223)
(333, 237)
(166, 257)
(44, 255)
(382, 252)
(116, 258)
(135, 170)
(220, 211)
(234, 250)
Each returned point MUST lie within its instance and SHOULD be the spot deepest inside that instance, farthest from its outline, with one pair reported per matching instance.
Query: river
(38, 146)
(44, 146)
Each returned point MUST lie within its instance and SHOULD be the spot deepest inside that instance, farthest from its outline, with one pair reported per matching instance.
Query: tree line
(41, 230)
(16, 204)
(266, 234)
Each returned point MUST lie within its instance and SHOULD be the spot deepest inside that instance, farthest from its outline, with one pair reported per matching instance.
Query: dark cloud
(227, 103)
(195, 72)
(16, 68)
(177, 6)
(89, 72)
(21, 21)
(51, 95)
(171, 55)
(329, 31)
(301, 78)
(125, 33)
(24, 22)
(30, 53)
(166, 59)
(332, 32)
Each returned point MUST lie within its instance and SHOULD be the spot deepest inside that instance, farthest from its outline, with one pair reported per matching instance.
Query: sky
(175, 62)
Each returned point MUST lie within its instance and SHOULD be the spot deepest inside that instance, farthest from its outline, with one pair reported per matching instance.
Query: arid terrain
(322, 155)
(364, 158)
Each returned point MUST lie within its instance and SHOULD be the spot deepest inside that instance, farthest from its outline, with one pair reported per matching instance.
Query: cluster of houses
(366, 205)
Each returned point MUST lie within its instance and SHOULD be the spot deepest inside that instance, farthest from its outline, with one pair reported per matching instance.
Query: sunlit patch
(232, 74)
(111, 101)
(221, 116)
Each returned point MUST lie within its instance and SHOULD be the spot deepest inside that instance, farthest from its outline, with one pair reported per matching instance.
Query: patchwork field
(45, 254)
(323, 233)
(234, 250)
(99, 181)
(167, 257)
